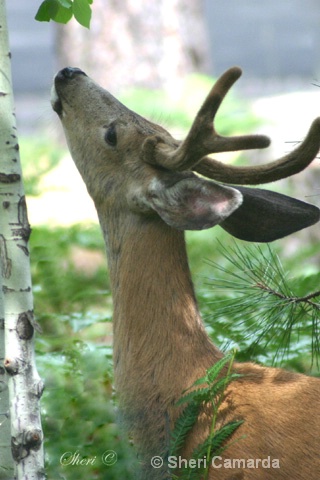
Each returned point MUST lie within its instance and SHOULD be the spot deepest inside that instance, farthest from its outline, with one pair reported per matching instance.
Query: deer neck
(155, 311)
(160, 345)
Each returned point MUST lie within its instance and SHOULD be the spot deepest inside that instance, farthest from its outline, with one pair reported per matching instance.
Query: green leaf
(182, 426)
(65, 3)
(82, 12)
(198, 396)
(217, 442)
(200, 381)
(214, 371)
(61, 11)
(58, 10)
(219, 386)
(43, 13)
(217, 446)
(63, 15)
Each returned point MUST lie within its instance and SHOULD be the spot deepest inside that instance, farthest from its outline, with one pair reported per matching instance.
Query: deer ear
(192, 203)
(265, 216)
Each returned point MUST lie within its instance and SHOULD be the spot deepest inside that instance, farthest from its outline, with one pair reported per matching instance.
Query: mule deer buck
(147, 191)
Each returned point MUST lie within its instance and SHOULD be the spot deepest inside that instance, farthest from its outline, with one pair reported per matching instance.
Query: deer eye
(111, 135)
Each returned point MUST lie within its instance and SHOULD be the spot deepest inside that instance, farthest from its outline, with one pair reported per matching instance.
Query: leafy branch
(62, 11)
(209, 396)
(254, 292)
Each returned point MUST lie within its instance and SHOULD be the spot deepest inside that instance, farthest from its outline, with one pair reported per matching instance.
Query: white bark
(25, 385)
(6, 460)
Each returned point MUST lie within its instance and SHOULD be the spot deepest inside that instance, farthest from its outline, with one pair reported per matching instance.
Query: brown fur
(160, 344)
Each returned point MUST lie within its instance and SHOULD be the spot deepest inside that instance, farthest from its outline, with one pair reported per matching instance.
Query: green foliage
(267, 313)
(79, 413)
(74, 357)
(38, 157)
(64, 277)
(62, 11)
(210, 396)
(183, 425)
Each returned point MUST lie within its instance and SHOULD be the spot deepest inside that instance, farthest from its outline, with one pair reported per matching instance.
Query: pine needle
(254, 295)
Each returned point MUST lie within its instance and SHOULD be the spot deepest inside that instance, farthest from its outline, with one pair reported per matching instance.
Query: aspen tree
(23, 382)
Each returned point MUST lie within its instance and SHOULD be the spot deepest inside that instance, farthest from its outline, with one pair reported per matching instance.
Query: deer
(148, 188)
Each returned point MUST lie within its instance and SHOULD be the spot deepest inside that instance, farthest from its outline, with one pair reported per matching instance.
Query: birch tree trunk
(24, 384)
(6, 460)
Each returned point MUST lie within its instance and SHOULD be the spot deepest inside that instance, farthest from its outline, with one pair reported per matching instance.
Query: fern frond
(213, 372)
(216, 447)
(219, 386)
(223, 434)
(216, 443)
(193, 474)
(182, 427)
(200, 381)
(198, 396)
(212, 394)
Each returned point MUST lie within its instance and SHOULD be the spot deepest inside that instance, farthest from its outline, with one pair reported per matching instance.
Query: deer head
(128, 160)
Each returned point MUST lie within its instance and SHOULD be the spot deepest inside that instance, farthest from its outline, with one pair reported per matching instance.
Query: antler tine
(202, 138)
(290, 164)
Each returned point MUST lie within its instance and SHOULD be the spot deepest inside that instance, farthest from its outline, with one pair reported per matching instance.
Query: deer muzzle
(65, 75)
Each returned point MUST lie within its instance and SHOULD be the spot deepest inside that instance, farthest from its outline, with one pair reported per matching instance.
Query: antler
(202, 138)
(290, 164)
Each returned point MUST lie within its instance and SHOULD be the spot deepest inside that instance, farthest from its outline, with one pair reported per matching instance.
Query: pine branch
(257, 304)
(291, 299)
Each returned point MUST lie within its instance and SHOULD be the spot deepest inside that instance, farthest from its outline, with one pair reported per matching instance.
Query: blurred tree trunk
(134, 43)
(21, 445)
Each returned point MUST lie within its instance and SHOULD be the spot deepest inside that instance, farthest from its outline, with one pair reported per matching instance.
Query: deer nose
(70, 72)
